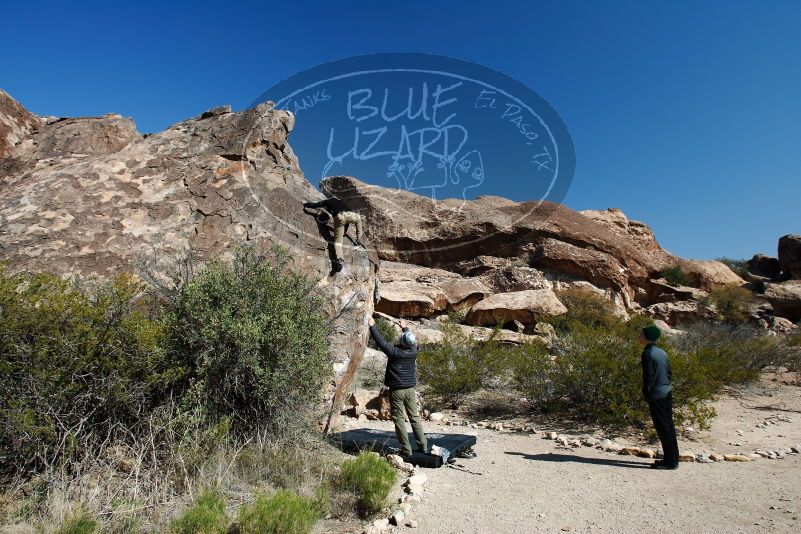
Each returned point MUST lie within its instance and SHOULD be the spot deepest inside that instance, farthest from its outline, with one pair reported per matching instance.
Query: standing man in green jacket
(658, 392)
(401, 378)
(343, 216)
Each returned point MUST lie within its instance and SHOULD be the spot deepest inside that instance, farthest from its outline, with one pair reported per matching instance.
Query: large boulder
(412, 291)
(528, 307)
(514, 278)
(680, 313)
(785, 298)
(429, 334)
(764, 267)
(790, 255)
(92, 197)
(710, 274)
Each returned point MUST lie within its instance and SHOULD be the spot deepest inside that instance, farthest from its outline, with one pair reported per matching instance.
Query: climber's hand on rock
(370, 321)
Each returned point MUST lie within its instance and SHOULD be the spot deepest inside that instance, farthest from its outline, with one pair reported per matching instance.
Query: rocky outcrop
(785, 298)
(764, 267)
(527, 307)
(603, 248)
(790, 256)
(432, 334)
(16, 124)
(680, 313)
(91, 196)
(616, 221)
(710, 274)
(514, 278)
(411, 291)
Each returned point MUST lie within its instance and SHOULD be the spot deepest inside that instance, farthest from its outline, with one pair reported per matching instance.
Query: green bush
(736, 353)
(80, 523)
(460, 365)
(206, 516)
(594, 374)
(370, 478)
(732, 303)
(75, 368)
(586, 307)
(531, 364)
(676, 276)
(283, 513)
(254, 338)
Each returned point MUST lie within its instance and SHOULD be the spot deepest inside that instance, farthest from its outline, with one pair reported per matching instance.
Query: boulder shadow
(556, 457)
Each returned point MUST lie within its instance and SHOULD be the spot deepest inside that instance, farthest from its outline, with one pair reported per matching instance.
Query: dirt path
(521, 483)
(526, 484)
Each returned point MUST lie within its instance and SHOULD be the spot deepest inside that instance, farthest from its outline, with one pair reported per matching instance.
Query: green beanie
(651, 332)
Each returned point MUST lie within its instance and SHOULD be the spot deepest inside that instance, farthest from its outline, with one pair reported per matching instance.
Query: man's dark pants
(662, 415)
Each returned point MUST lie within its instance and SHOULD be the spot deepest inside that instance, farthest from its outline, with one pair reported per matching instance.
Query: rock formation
(790, 256)
(510, 246)
(93, 197)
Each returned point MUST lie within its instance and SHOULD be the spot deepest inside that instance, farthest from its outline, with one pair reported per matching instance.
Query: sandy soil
(523, 483)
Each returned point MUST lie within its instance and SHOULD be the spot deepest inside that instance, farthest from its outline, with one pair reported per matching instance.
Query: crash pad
(384, 442)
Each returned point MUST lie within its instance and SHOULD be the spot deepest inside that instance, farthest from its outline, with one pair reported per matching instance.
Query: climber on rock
(343, 216)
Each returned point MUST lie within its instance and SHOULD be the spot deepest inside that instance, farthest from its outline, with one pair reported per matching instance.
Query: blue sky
(686, 116)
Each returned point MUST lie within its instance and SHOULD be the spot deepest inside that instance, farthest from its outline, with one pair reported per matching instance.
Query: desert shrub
(206, 516)
(732, 303)
(387, 331)
(283, 513)
(740, 267)
(370, 478)
(254, 338)
(460, 365)
(81, 523)
(676, 276)
(584, 307)
(531, 364)
(736, 353)
(595, 374)
(75, 367)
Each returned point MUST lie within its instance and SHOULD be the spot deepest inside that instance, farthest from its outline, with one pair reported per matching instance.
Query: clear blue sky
(687, 115)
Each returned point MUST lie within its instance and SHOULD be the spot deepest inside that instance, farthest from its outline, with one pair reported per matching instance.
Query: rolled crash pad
(384, 442)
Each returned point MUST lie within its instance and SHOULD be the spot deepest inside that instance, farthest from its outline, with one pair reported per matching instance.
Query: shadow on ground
(551, 457)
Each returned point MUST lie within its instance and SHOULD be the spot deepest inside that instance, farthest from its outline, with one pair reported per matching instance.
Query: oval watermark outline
(546, 115)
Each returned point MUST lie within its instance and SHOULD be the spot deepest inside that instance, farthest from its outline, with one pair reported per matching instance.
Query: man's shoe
(659, 464)
(337, 267)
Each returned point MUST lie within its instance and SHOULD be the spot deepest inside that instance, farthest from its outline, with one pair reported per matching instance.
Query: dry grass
(141, 489)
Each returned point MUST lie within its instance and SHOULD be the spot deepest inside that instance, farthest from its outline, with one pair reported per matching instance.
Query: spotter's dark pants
(662, 415)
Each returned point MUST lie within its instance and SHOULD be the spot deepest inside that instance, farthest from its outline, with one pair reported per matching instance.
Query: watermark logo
(433, 125)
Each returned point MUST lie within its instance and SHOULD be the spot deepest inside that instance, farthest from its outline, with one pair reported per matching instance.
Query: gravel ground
(521, 483)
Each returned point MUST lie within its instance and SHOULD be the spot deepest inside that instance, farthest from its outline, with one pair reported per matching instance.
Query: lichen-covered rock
(92, 197)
